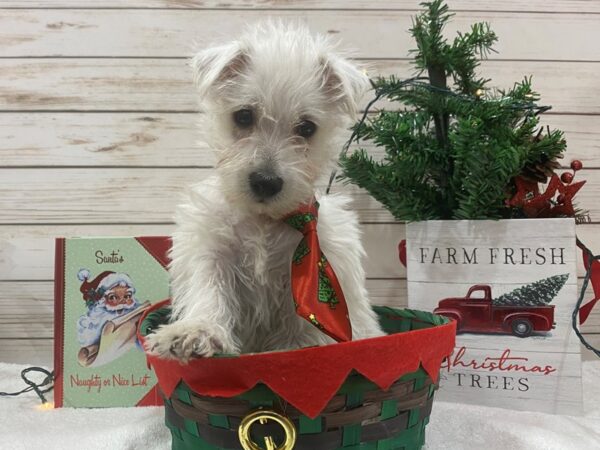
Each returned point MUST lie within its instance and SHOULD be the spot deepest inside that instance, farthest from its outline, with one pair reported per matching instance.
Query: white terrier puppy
(274, 103)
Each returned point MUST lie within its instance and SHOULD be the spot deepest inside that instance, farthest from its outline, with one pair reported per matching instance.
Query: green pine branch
(452, 150)
(465, 54)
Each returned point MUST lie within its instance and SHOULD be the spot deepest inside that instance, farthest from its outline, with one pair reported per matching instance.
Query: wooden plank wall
(97, 117)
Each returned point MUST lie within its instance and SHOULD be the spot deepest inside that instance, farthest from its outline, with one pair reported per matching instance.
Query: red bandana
(316, 290)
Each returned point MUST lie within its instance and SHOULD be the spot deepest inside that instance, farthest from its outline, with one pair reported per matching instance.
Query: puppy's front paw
(184, 341)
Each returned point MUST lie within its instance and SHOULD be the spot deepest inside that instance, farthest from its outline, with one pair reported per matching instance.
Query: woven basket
(360, 416)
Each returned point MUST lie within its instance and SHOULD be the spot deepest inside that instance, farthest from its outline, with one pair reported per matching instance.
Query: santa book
(511, 285)
(102, 288)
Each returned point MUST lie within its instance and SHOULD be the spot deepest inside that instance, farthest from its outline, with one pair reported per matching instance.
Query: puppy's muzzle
(265, 185)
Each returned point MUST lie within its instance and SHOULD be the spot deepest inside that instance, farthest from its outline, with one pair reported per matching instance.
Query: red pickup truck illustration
(478, 313)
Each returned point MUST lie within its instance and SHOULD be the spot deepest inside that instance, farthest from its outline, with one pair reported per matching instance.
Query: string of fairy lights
(590, 257)
(40, 388)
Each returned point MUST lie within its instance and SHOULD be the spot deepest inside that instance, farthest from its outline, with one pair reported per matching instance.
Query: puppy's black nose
(264, 185)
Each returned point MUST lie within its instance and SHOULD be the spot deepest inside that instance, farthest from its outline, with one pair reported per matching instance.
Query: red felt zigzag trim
(308, 378)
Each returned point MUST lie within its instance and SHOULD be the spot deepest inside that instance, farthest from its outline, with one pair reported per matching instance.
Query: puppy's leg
(189, 338)
(205, 308)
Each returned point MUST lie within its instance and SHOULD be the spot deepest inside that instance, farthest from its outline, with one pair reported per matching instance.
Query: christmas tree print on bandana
(301, 251)
(298, 221)
(326, 291)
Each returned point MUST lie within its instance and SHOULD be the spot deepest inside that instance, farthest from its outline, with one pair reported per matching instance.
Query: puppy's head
(274, 102)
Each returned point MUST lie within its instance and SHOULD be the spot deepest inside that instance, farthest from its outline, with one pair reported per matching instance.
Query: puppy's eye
(243, 118)
(306, 128)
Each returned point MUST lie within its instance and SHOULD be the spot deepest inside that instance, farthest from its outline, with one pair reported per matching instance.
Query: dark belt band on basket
(334, 418)
(372, 430)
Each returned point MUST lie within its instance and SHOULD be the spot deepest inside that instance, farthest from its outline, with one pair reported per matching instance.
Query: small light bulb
(45, 406)
(479, 92)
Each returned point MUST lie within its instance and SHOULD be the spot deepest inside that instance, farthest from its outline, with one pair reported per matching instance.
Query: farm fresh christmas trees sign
(511, 285)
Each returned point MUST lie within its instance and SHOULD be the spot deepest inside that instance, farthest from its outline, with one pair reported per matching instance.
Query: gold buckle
(263, 416)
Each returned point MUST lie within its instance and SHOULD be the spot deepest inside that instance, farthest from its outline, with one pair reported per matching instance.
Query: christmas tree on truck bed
(457, 148)
(539, 293)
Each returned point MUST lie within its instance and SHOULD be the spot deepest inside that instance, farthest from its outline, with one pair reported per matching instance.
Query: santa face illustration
(118, 298)
(107, 297)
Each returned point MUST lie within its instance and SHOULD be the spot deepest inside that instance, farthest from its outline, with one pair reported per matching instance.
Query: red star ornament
(541, 204)
(565, 207)
(526, 191)
(548, 204)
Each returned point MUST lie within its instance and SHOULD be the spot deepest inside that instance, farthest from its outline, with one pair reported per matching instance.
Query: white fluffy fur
(231, 251)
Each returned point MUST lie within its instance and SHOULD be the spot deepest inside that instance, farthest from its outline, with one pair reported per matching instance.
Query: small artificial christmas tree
(455, 149)
(539, 293)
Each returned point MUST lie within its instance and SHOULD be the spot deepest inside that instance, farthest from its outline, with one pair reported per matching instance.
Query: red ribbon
(313, 278)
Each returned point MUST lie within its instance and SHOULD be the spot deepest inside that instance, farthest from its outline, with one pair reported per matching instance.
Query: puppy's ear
(345, 83)
(217, 65)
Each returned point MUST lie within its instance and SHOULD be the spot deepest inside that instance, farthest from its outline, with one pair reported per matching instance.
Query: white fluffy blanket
(452, 426)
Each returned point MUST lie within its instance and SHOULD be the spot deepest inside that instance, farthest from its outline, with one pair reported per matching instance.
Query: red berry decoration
(576, 165)
(567, 177)
(561, 199)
